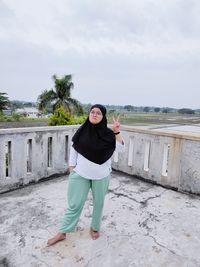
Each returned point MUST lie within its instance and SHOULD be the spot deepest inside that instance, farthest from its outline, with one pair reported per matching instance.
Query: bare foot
(94, 234)
(55, 239)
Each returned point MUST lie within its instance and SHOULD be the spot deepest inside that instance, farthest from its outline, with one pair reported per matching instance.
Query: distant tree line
(130, 108)
(5, 103)
(60, 96)
(186, 111)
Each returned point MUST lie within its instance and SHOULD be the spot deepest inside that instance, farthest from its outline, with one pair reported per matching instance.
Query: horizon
(162, 107)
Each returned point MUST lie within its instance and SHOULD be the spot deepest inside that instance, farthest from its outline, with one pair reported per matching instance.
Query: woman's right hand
(71, 168)
(116, 124)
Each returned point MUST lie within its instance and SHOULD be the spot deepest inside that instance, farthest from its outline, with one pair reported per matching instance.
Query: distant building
(7, 112)
(28, 112)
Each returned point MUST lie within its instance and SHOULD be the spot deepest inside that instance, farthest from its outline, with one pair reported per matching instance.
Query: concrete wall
(30, 154)
(166, 158)
(169, 159)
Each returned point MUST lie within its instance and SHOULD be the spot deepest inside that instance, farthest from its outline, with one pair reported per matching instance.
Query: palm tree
(4, 102)
(60, 96)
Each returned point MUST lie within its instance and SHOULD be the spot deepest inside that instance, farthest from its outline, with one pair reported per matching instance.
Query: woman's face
(95, 116)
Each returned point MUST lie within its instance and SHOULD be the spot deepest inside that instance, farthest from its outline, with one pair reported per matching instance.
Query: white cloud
(108, 38)
(153, 28)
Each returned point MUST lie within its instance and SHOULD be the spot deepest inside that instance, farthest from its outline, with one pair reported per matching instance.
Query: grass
(131, 119)
(157, 118)
(24, 122)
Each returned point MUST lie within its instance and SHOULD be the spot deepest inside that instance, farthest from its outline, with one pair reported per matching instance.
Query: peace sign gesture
(116, 124)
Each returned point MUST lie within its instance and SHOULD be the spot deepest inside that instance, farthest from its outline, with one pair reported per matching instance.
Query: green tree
(4, 101)
(186, 111)
(60, 96)
(129, 108)
(167, 110)
(157, 109)
(146, 109)
(61, 117)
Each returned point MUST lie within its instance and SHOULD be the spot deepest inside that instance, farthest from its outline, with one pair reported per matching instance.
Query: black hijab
(96, 142)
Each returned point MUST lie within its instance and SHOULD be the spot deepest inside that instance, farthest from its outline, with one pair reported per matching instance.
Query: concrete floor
(143, 225)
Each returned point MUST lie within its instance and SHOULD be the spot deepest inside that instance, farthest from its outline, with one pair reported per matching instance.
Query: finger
(114, 120)
(118, 117)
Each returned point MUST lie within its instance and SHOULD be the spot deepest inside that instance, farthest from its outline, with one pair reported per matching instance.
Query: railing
(170, 159)
(30, 154)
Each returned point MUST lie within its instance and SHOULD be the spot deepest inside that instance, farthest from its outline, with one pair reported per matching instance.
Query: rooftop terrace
(143, 225)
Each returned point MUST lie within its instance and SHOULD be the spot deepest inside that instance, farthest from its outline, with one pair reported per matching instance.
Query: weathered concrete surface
(143, 226)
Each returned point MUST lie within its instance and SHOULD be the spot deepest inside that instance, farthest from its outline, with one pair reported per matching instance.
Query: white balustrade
(30, 154)
(170, 159)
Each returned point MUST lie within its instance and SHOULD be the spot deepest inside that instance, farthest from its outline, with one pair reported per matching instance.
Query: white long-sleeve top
(89, 169)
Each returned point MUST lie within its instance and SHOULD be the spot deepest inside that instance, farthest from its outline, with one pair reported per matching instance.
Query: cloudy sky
(137, 52)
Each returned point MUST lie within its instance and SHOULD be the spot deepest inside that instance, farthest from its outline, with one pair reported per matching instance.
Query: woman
(90, 165)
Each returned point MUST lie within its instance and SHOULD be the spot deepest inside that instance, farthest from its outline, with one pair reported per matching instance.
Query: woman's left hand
(116, 124)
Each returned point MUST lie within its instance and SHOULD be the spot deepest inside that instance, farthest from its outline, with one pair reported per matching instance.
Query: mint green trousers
(78, 188)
